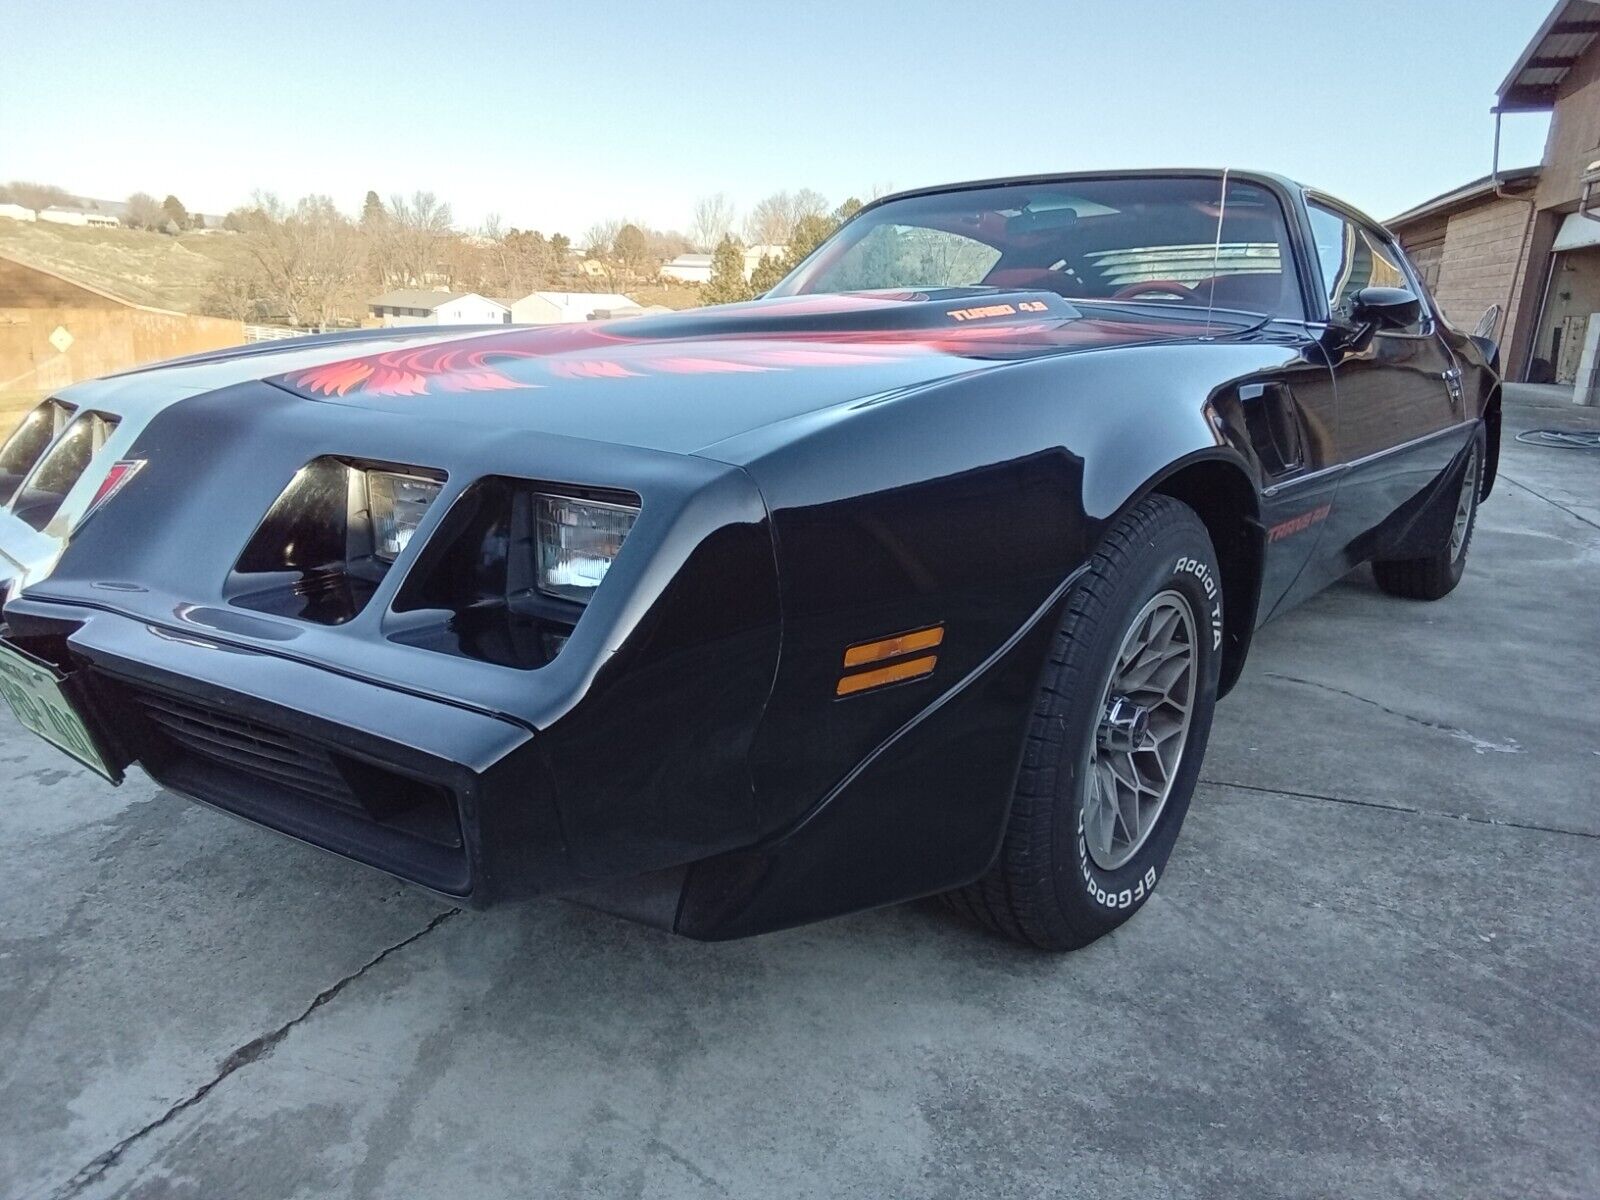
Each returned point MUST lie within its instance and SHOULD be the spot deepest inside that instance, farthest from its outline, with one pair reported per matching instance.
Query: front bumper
(442, 796)
(376, 737)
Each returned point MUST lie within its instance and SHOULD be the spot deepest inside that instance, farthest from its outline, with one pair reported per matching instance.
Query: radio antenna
(1216, 251)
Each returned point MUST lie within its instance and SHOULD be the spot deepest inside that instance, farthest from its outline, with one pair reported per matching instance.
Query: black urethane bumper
(439, 795)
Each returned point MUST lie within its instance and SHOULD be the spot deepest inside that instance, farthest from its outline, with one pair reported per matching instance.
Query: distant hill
(146, 268)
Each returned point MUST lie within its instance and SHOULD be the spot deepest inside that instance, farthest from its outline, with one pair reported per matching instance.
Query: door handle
(1452, 384)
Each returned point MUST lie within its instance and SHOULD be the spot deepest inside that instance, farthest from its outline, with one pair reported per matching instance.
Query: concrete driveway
(1372, 969)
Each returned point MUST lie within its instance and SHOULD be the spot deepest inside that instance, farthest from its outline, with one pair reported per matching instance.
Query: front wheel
(1119, 729)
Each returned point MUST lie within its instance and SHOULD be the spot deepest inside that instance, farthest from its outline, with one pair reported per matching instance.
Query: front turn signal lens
(578, 541)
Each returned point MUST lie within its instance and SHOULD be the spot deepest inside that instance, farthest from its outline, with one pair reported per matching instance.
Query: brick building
(1519, 240)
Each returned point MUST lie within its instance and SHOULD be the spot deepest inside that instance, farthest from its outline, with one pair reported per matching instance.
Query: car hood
(146, 389)
(683, 381)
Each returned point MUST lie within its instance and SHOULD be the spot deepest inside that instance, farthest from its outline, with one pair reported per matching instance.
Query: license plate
(34, 692)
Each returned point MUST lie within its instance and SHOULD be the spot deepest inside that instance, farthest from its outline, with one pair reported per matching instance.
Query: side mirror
(1385, 308)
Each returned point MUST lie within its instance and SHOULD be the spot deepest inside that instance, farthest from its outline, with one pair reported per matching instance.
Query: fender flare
(1232, 516)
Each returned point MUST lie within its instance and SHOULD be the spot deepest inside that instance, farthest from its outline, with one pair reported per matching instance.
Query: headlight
(397, 504)
(578, 540)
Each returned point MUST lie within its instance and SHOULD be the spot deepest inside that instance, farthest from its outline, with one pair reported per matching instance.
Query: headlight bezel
(23, 448)
(474, 590)
(314, 555)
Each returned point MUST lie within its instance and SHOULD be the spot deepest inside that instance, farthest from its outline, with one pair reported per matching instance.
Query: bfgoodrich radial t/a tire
(1118, 732)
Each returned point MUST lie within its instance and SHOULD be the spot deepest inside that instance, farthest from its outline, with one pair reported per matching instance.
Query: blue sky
(556, 116)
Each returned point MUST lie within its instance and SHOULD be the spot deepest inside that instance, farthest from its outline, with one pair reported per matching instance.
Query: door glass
(1353, 258)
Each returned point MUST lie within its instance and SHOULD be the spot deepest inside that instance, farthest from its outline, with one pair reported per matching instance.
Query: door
(1401, 419)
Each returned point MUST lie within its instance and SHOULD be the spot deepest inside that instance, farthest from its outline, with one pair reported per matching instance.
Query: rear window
(1183, 243)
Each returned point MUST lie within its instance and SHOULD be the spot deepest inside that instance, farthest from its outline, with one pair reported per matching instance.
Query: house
(593, 268)
(754, 254)
(410, 306)
(566, 308)
(696, 268)
(689, 268)
(78, 216)
(17, 212)
(1528, 240)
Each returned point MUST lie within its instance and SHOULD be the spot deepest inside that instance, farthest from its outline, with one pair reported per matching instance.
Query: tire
(1047, 887)
(1436, 575)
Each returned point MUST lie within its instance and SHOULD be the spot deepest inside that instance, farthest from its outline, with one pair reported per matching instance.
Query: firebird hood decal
(685, 380)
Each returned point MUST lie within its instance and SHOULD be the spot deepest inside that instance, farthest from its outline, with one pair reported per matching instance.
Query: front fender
(965, 508)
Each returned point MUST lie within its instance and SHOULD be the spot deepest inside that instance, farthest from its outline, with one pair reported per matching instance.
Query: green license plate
(34, 692)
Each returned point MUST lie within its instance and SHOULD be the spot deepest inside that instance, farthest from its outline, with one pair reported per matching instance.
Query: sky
(556, 116)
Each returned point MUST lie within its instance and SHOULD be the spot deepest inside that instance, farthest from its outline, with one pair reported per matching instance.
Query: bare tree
(411, 246)
(235, 292)
(305, 264)
(601, 239)
(634, 253)
(711, 222)
(667, 243)
(771, 222)
(144, 212)
(37, 196)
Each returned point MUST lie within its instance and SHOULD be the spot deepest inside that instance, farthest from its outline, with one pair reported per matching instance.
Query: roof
(1270, 178)
(691, 260)
(422, 298)
(1463, 195)
(1566, 36)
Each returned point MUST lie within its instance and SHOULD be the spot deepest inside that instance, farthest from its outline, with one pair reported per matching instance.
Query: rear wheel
(1435, 575)
(1119, 728)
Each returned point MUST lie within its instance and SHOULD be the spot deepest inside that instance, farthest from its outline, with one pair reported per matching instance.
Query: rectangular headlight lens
(397, 504)
(578, 539)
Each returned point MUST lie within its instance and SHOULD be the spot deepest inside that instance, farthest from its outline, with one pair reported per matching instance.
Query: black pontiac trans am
(921, 574)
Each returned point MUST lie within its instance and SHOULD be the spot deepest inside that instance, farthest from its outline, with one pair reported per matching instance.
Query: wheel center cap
(1124, 726)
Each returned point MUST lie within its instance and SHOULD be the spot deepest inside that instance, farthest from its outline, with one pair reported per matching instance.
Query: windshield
(1178, 242)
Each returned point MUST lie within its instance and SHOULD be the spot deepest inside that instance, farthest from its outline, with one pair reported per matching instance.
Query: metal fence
(271, 333)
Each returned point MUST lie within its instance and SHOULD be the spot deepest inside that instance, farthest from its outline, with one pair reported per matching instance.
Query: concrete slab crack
(1478, 744)
(1407, 809)
(1556, 503)
(252, 1051)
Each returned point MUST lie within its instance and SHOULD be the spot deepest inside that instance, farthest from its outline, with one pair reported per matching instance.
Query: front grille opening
(28, 442)
(289, 782)
(327, 541)
(57, 473)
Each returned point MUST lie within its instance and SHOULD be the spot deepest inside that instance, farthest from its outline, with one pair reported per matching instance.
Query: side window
(1353, 257)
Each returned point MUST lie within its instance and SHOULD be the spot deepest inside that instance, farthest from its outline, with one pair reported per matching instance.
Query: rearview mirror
(1385, 307)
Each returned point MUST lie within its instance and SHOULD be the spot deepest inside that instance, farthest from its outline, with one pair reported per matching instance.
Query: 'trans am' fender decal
(1298, 524)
